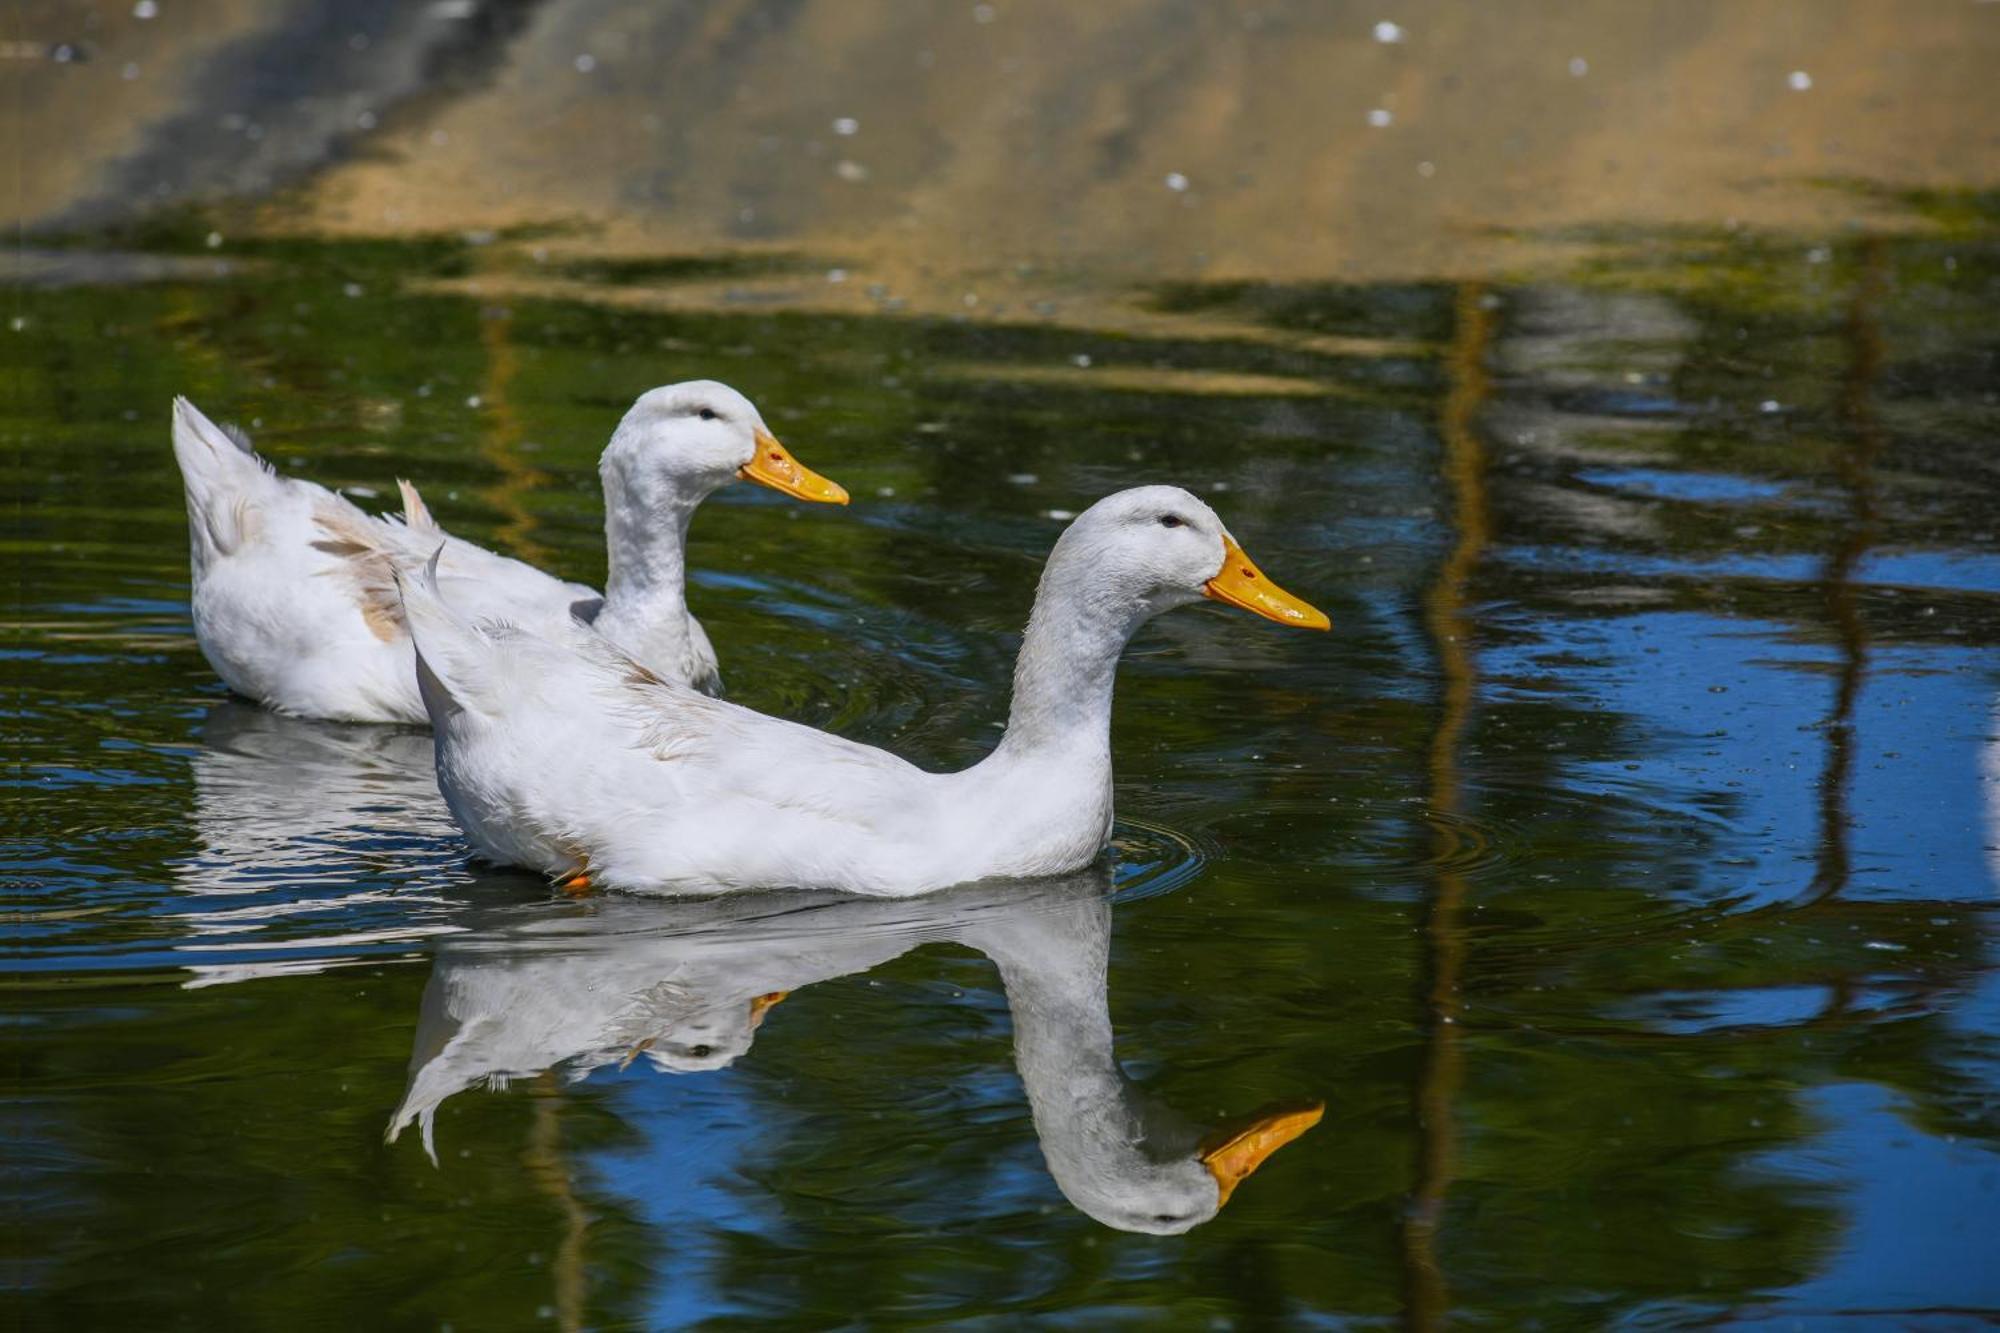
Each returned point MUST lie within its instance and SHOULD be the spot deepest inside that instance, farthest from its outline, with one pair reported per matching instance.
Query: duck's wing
(577, 754)
(369, 551)
(750, 756)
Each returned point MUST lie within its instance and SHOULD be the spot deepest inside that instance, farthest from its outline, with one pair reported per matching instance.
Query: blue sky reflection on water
(1919, 810)
(1918, 1213)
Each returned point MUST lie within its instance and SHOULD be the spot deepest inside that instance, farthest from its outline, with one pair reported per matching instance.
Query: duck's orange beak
(1241, 583)
(1233, 1159)
(773, 465)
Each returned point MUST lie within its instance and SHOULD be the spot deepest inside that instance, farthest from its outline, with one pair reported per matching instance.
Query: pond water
(1619, 874)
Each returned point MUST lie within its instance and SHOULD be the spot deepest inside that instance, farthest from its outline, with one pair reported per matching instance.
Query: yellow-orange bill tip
(773, 465)
(1232, 1160)
(1241, 583)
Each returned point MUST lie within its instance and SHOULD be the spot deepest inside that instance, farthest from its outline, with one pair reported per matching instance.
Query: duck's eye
(707, 414)
(1172, 521)
(701, 1052)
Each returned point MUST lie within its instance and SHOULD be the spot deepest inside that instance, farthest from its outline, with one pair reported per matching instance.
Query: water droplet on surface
(1176, 182)
(984, 13)
(1578, 67)
(1379, 117)
(850, 171)
(586, 63)
(1427, 169)
(146, 9)
(846, 125)
(1081, 361)
(1798, 81)
(214, 240)
(1388, 33)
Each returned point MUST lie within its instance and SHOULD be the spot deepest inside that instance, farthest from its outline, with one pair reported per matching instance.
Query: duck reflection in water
(280, 796)
(685, 986)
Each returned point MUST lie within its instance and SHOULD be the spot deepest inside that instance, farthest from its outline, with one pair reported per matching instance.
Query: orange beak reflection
(763, 1004)
(1241, 583)
(1238, 1154)
(774, 466)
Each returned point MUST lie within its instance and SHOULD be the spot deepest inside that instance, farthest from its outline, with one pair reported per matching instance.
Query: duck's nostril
(1249, 573)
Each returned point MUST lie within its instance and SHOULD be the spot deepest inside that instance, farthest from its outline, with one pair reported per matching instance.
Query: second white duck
(294, 596)
(572, 759)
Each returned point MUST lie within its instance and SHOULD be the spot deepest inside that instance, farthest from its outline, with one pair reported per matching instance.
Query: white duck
(294, 596)
(573, 760)
(686, 988)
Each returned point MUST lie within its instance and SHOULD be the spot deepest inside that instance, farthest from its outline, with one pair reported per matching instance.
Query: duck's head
(711, 1038)
(1118, 1185)
(686, 440)
(1154, 548)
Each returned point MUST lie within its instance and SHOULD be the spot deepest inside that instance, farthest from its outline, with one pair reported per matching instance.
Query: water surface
(1619, 872)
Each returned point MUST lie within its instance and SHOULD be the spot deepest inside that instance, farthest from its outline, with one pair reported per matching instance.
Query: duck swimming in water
(575, 760)
(294, 590)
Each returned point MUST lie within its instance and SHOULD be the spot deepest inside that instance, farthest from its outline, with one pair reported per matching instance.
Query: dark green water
(1620, 871)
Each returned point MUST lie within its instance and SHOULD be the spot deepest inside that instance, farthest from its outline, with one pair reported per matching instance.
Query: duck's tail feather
(425, 1118)
(416, 514)
(456, 666)
(484, 666)
(224, 477)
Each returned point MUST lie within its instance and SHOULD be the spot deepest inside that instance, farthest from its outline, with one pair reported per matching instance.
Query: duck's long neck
(1053, 968)
(646, 517)
(1068, 665)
